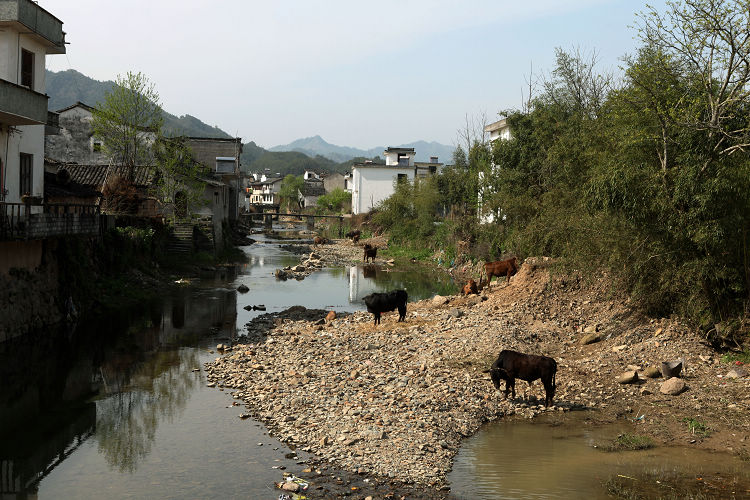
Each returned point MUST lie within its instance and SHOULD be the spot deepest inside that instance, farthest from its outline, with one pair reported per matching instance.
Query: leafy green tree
(289, 191)
(334, 201)
(178, 183)
(128, 121)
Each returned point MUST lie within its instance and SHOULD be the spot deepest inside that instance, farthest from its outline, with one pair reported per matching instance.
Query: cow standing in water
(511, 365)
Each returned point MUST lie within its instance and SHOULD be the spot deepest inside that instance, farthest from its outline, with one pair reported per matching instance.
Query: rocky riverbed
(394, 401)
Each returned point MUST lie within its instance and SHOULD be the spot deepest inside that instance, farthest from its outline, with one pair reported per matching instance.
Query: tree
(707, 42)
(289, 191)
(334, 201)
(178, 183)
(128, 121)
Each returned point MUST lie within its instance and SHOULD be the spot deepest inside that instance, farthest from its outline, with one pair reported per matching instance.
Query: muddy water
(555, 457)
(119, 407)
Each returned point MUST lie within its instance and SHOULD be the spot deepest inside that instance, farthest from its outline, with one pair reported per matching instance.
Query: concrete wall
(49, 225)
(333, 181)
(205, 151)
(75, 142)
(371, 185)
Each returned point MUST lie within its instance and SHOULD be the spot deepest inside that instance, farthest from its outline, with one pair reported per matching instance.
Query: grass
(743, 357)
(696, 427)
(627, 442)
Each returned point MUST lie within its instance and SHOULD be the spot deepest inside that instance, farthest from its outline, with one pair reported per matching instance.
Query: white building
(27, 34)
(374, 182)
(499, 130)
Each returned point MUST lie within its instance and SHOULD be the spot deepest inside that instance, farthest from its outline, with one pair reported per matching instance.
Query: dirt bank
(396, 400)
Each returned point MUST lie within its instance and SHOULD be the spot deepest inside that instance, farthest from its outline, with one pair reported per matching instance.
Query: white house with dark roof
(499, 130)
(372, 183)
(28, 34)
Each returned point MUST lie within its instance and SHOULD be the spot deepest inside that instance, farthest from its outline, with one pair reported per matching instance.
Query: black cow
(511, 365)
(383, 302)
(354, 235)
(370, 253)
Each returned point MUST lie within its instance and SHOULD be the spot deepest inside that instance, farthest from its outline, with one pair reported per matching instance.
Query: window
(25, 174)
(401, 178)
(97, 146)
(27, 68)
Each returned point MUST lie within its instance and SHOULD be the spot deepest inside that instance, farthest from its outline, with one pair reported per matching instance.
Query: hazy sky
(358, 73)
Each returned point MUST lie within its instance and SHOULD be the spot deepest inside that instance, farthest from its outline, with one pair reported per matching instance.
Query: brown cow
(500, 268)
(318, 240)
(470, 287)
(370, 252)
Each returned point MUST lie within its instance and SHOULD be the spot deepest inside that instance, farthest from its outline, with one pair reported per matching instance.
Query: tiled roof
(96, 175)
(313, 189)
(56, 185)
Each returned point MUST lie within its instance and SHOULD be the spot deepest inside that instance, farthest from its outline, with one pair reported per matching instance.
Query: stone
(629, 377)
(591, 338)
(635, 368)
(243, 288)
(298, 269)
(280, 274)
(290, 486)
(673, 386)
(652, 372)
(248, 308)
(472, 301)
(456, 313)
(645, 392)
(590, 329)
(658, 332)
(439, 300)
(314, 256)
(671, 369)
(737, 372)
(619, 348)
(330, 316)
(324, 441)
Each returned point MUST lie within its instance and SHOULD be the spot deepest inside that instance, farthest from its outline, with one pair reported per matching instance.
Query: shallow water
(554, 457)
(115, 409)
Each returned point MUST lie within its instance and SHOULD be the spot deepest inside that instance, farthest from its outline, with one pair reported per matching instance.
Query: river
(119, 407)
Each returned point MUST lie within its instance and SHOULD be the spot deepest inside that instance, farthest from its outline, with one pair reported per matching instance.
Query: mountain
(70, 86)
(317, 146)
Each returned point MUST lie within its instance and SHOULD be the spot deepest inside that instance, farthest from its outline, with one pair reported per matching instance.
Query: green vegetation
(732, 357)
(696, 427)
(289, 192)
(127, 119)
(627, 442)
(648, 180)
(335, 201)
(179, 184)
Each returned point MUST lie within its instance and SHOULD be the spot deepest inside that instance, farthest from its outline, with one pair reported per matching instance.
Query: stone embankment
(396, 400)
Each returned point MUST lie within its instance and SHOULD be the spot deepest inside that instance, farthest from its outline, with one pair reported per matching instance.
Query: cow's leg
(402, 312)
(512, 383)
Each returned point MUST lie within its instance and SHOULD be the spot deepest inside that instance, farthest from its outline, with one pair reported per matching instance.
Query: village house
(499, 130)
(310, 192)
(265, 191)
(75, 143)
(374, 182)
(222, 158)
(29, 33)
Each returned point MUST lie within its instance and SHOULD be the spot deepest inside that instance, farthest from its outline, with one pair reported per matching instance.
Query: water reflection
(156, 390)
(114, 378)
(365, 279)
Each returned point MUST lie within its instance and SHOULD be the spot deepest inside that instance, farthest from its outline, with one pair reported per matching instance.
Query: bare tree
(711, 40)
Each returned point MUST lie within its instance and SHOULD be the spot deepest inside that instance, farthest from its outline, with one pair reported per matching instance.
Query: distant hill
(70, 86)
(316, 145)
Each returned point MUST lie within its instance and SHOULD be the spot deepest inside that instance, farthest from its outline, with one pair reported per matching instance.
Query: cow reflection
(369, 271)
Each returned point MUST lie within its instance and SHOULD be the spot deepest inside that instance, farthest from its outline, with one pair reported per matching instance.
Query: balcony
(21, 105)
(18, 223)
(46, 27)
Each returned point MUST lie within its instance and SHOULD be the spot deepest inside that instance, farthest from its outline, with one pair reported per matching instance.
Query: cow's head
(497, 374)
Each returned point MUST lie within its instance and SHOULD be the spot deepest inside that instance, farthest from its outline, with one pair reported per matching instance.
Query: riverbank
(395, 400)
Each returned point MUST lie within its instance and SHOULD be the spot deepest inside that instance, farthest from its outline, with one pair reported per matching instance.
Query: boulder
(652, 372)
(590, 329)
(280, 274)
(671, 369)
(314, 256)
(629, 377)
(591, 338)
(243, 288)
(439, 300)
(456, 313)
(673, 386)
(248, 308)
(298, 269)
(737, 372)
(331, 316)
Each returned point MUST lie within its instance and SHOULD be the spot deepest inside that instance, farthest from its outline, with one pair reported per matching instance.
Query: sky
(359, 74)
